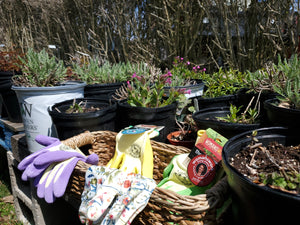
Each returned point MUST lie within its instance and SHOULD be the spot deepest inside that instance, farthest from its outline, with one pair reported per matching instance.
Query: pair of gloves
(112, 196)
(52, 166)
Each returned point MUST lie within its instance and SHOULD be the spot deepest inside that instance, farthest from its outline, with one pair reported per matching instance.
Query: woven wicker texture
(164, 205)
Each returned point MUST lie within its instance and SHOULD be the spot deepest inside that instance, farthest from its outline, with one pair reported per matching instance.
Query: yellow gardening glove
(133, 152)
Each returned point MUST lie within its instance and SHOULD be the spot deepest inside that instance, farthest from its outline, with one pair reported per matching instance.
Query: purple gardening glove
(55, 179)
(51, 144)
(48, 142)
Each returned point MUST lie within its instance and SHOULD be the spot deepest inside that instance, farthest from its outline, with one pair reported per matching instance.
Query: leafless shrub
(240, 34)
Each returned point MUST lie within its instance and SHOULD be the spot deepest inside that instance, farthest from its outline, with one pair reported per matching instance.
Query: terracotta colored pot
(189, 144)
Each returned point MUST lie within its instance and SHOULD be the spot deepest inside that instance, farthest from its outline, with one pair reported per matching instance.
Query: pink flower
(198, 67)
(194, 68)
(204, 69)
(188, 91)
(134, 75)
(169, 81)
(128, 85)
(188, 63)
(181, 59)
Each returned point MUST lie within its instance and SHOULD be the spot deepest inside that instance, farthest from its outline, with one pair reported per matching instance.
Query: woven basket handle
(79, 140)
(218, 193)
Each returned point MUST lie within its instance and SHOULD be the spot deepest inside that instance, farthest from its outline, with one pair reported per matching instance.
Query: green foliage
(93, 72)
(183, 71)
(289, 86)
(285, 180)
(7, 211)
(261, 80)
(247, 117)
(39, 69)
(145, 91)
(223, 82)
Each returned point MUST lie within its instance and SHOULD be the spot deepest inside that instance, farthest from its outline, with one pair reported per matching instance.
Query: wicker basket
(164, 206)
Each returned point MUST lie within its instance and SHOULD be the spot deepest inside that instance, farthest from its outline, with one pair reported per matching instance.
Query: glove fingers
(29, 159)
(56, 156)
(42, 182)
(45, 140)
(32, 171)
(92, 159)
(62, 177)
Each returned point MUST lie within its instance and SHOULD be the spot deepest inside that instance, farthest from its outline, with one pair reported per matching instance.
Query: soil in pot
(257, 203)
(274, 165)
(93, 115)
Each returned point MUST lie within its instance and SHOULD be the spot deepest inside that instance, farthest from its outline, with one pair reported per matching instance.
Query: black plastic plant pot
(163, 116)
(221, 101)
(9, 98)
(279, 116)
(253, 203)
(207, 118)
(101, 91)
(69, 125)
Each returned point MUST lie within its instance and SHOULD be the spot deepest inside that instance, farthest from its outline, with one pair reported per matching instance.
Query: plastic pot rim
(220, 109)
(269, 105)
(69, 85)
(124, 104)
(62, 115)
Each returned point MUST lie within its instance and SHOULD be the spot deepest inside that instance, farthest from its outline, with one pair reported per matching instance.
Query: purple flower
(194, 68)
(181, 59)
(198, 67)
(188, 63)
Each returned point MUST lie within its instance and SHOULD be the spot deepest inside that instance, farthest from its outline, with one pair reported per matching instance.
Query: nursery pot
(34, 102)
(256, 204)
(279, 116)
(101, 91)
(69, 125)
(221, 101)
(207, 118)
(186, 143)
(128, 115)
(9, 98)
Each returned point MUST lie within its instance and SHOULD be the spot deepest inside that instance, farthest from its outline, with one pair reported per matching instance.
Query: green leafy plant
(92, 71)
(183, 72)
(223, 82)
(247, 117)
(288, 86)
(40, 70)
(145, 91)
